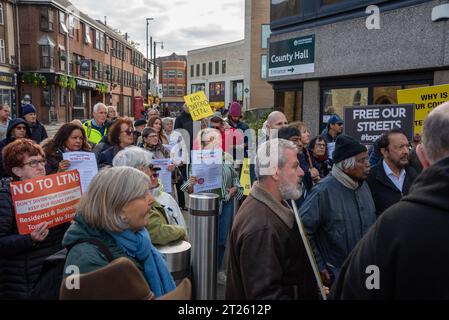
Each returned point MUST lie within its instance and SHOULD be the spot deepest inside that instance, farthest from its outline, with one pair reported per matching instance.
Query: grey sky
(181, 24)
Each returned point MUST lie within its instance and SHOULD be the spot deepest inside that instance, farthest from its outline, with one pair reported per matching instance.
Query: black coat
(408, 244)
(38, 132)
(383, 190)
(20, 259)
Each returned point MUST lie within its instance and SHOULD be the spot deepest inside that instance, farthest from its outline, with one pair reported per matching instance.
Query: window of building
(266, 31)
(180, 92)
(284, 8)
(87, 39)
(2, 51)
(1, 14)
(63, 23)
(5, 96)
(172, 74)
(204, 69)
(217, 67)
(263, 66)
(223, 66)
(46, 57)
(99, 40)
(210, 68)
(62, 60)
(171, 90)
(63, 96)
(192, 71)
(180, 74)
(48, 96)
(72, 26)
(46, 19)
(79, 99)
(197, 70)
(290, 103)
(165, 89)
(197, 87)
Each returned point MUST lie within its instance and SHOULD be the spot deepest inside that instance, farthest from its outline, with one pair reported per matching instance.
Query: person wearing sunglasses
(17, 128)
(166, 223)
(22, 256)
(120, 136)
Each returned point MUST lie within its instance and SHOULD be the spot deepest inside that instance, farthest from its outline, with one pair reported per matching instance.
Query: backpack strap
(101, 246)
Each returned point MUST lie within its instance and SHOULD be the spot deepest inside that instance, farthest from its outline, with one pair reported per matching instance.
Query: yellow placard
(245, 179)
(198, 106)
(426, 99)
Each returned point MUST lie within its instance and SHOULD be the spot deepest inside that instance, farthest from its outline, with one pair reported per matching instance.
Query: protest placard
(85, 163)
(198, 106)
(367, 123)
(245, 179)
(207, 168)
(164, 174)
(50, 198)
(425, 99)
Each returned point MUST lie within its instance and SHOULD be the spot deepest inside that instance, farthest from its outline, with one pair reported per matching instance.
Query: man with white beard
(267, 258)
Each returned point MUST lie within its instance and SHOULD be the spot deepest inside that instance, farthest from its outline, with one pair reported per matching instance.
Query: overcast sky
(181, 24)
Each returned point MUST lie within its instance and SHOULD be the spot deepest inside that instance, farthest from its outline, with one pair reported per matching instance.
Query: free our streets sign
(292, 56)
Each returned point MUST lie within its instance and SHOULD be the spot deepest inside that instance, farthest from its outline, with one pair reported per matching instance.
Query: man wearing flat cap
(340, 209)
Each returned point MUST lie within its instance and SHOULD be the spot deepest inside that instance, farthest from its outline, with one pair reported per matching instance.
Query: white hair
(435, 138)
(271, 155)
(98, 106)
(346, 164)
(134, 157)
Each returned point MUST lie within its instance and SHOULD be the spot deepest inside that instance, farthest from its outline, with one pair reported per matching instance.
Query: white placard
(85, 163)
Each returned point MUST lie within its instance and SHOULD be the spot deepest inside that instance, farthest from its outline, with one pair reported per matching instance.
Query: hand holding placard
(198, 106)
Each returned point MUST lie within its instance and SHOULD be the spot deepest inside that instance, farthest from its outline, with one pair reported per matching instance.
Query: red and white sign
(51, 198)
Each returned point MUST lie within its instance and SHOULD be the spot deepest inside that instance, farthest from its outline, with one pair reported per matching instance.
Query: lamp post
(148, 59)
(110, 74)
(154, 61)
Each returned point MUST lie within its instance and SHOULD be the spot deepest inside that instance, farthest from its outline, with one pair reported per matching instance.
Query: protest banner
(198, 106)
(50, 198)
(367, 123)
(245, 179)
(425, 99)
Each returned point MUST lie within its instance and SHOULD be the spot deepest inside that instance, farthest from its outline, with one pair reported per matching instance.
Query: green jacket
(86, 256)
(161, 231)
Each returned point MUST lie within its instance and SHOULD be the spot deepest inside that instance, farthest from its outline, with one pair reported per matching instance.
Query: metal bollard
(203, 212)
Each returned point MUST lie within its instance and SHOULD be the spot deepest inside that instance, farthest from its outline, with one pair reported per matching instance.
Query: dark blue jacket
(38, 132)
(12, 124)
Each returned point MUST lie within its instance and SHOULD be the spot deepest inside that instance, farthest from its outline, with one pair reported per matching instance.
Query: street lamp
(110, 75)
(148, 59)
(154, 61)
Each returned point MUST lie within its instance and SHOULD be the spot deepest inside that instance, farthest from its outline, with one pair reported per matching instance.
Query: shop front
(8, 91)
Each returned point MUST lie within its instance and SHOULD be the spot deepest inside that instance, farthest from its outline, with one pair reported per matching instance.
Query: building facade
(325, 55)
(69, 62)
(218, 71)
(173, 79)
(8, 55)
(258, 93)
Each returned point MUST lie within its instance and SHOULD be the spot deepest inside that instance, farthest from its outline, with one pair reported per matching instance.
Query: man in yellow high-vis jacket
(95, 128)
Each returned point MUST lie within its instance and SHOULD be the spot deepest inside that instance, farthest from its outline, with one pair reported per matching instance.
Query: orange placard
(51, 198)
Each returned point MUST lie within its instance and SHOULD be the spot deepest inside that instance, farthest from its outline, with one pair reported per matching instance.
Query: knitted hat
(235, 110)
(29, 108)
(346, 147)
(140, 122)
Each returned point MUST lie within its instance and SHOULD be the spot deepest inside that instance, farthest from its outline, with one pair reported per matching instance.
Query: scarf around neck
(344, 179)
(138, 246)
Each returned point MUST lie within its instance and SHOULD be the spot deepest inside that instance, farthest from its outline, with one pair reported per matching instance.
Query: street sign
(292, 56)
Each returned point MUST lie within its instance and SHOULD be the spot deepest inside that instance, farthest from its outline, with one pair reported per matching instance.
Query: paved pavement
(52, 128)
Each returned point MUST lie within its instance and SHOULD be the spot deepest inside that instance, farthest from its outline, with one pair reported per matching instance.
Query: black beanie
(346, 147)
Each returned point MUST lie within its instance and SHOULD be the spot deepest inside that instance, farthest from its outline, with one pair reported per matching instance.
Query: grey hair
(111, 107)
(271, 155)
(435, 138)
(109, 192)
(346, 164)
(134, 157)
(98, 106)
(166, 120)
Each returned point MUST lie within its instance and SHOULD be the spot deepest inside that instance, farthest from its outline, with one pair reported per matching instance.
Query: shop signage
(6, 79)
(292, 56)
(367, 123)
(86, 84)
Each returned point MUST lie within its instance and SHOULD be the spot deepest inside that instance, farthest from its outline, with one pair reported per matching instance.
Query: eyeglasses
(21, 128)
(340, 124)
(128, 132)
(155, 175)
(35, 163)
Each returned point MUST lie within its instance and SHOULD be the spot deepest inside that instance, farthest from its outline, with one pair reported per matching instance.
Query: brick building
(173, 78)
(69, 62)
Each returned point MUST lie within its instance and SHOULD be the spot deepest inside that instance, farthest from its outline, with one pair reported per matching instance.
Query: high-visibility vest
(93, 135)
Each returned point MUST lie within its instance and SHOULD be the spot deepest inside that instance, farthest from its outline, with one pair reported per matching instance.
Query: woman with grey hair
(114, 212)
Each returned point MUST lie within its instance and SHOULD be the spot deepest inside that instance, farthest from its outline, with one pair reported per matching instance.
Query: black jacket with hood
(405, 253)
(38, 132)
(12, 124)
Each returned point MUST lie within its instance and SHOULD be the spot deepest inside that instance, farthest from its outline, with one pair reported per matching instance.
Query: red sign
(51, 198)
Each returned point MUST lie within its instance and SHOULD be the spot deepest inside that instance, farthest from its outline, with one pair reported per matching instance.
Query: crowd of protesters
(358, 207)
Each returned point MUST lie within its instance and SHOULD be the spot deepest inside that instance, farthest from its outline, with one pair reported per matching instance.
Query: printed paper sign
(51, 198)
(425, 99)
(85, 163)
(207, 168)
(367, 123)
(198, 106)
(164, 174)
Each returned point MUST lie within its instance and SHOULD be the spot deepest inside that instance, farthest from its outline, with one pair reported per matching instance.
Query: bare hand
(64, 165)
(325, 277)
(315, 174)
(40, 232)
(232, 191)
(171, 167)
(192, 181)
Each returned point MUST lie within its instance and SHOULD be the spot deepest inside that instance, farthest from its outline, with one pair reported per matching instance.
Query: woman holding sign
(22, 256)
(69, 138)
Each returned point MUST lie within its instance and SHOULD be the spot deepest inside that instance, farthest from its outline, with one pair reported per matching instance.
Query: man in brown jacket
(267, 259)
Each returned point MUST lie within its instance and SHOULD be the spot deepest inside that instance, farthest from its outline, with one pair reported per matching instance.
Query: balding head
(276, 120)
(435, 140)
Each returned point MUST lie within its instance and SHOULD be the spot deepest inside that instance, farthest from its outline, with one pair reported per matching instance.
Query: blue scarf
(138, 246)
